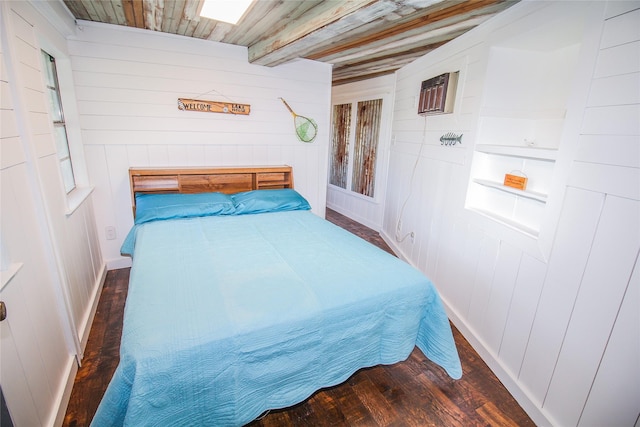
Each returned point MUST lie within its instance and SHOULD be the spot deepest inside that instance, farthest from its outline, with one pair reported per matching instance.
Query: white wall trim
(64, 394)
(87, 321)
(510, 383)
(58, 15)
(118, 263)
(52, 251)
(354, 216)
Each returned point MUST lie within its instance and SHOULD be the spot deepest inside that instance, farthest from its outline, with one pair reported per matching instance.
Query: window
(364, 153)
(59, 127)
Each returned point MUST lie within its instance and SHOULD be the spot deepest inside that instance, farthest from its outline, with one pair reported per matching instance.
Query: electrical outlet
(110, 232)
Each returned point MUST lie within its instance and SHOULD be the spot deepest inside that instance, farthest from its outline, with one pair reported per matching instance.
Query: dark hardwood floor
(415, 392)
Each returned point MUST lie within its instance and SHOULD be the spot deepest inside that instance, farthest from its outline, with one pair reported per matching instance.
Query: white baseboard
(535, 412)
(65, 392)
(117, 263)
(91, 312)
(354, 216)
(74, 362)
(394, 247)
(517, 390)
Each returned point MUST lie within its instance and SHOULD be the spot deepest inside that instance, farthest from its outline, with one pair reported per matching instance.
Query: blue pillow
(278, 200)
(153, 207)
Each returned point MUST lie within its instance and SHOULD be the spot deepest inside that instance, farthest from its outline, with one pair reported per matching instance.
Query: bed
(242, 300)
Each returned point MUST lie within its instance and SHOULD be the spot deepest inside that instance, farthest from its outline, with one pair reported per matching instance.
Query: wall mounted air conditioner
(437, 95)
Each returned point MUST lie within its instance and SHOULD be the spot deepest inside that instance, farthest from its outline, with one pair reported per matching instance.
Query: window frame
(75, 198)
(57, 116)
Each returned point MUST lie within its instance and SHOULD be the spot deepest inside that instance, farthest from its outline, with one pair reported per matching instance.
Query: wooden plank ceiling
(361, 38)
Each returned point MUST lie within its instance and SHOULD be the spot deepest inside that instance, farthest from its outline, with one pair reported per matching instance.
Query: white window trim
(76, 197)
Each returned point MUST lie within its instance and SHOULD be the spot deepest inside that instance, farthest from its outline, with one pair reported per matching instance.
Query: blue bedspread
(228, 316)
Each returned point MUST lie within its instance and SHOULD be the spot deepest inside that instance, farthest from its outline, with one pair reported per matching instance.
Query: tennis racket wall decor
(306, 128)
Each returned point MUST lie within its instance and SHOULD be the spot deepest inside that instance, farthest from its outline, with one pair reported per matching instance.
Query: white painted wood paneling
(71, 242)
(623, 28)
(522, 312)
(23, 412)
(616, 8)
(127, 84)
(608, 159)
(610, 179)
(622, 59)
(568, 261)
(502, 288)
(481, 290)
(32, 315)
(615, 90)
(611, 261)
(613, 398)
(613, 120)
(8, 123)
(11, 152)
(621, 150)
(550, 327)
(455, 275)
(51, 299)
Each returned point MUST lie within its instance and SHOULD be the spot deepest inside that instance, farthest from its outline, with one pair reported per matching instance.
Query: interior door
(18, 402)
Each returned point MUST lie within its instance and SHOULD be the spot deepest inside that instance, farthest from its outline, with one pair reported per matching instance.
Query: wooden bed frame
(226, 180)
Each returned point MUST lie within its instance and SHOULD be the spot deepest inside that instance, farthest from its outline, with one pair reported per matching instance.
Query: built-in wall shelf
(540, 197)
(520, 128)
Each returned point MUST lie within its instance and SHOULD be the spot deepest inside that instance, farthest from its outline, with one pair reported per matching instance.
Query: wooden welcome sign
(187, 104)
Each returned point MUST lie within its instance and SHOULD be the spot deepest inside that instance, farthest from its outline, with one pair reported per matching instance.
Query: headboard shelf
(198, 180)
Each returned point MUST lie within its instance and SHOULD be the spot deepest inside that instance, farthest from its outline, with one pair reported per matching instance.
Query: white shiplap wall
(562, 333)
(128, 82)
(51, 299)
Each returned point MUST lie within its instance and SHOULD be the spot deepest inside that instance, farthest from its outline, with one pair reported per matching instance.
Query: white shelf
(522, 193)
(514, 151)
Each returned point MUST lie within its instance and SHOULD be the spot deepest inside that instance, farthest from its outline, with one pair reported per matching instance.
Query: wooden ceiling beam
(404, 55)
(440, 15)
(360, 38)
(270, 15)
(138, 14)
(324, 22)
(399, 45)
(341, 80)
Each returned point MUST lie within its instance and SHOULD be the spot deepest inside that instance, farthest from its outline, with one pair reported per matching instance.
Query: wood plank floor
(415, 392)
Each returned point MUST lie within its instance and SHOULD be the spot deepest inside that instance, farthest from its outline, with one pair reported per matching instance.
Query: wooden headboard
(198, 180)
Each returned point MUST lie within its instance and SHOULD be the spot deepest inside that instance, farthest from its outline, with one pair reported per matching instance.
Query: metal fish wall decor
(450, 139)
